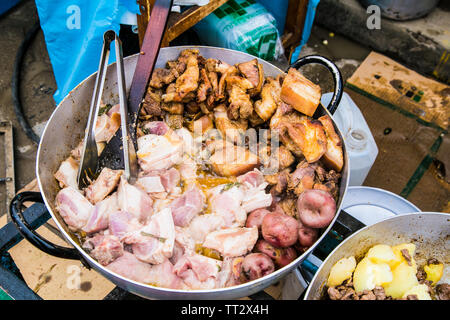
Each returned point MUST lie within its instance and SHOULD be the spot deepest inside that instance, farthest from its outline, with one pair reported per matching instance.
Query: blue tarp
(73, 31)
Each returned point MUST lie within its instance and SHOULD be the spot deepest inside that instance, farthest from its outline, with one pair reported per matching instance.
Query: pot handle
(33, 237)
(337, 77)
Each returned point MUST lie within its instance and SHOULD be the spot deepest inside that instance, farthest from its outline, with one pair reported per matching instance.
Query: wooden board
(393, 83)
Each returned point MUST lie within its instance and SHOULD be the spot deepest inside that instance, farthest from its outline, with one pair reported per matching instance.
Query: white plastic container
(361, 147)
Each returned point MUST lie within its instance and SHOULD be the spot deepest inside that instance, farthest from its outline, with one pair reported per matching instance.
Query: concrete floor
(37, 88)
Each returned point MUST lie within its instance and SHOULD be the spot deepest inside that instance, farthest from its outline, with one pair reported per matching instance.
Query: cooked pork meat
(152, 102)
(254, 72)
(186, 207)
(230, 161)
(99, 217)
(73, 208)
(270, 99)
(67, 173)
(134, 200)
(105, 183)
(232, 242)
(161, 77)
(333, 157)
(104, 248)
(233, 130)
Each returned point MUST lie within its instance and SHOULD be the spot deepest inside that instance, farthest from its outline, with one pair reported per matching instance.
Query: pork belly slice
(150, 184)
(99, 218)
(198, 271)
(187, 206)
(132, 268)
(104, 248)
(155, 241)
(251, 179)
(67, 173)
(73, 208)
(122, 223)
(232, 242)
(300, 93)
(256, 198)
(106, 126)
(170, 179)
(227, 204)
(188, 169)
(159, 152)
(233, 160)
(134, 200)
(204, 224)
(105, 183)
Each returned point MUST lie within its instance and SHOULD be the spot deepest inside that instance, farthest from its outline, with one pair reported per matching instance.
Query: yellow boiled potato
(367, 275)
(434, 272)
(341, 271)
(411, 247)
(382, 253)
(404, 278)
(420, 290)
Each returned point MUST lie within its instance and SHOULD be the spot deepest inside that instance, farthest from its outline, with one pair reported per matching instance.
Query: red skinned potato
(316, 208)
(256, 265)
(281, 256)
(279, 229)
(256, 217)
(307, 236)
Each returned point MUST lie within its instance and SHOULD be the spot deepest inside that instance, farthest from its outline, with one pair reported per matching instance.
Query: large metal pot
(403, 9)
(64, 131)
(429, 231)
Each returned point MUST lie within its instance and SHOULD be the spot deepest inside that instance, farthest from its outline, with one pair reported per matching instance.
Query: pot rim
(355, 234)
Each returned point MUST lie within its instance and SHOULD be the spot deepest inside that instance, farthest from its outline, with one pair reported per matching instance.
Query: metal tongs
(89, 163)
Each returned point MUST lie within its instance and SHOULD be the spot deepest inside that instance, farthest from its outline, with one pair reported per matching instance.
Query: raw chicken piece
(132, 268)
(104, 248)
(159, 152)
(122, 223)
(67, 173)
(155, 241)
(204, 224)
(227, 204)
(170, 179)
(197, 271)
(105, 183)
(73, 208)
(186, 207)
(134, 200)
(150, 184)
(232, 242)
(99, 218)
(106, 127)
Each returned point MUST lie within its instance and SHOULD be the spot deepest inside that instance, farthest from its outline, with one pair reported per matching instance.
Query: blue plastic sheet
(309, 20)
(73, 31)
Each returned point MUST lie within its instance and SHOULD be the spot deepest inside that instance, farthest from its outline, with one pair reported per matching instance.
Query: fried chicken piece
(253, 71)
(161, 77)
(204, 88)
(303, 178)
(240, 103)
(152, 102)
(333, 157)
(270, 98)
(300, 134)
(231, 129)
(173, 107)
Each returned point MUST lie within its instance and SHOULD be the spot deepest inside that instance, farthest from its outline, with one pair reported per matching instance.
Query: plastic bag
(243, 25)
(73, 31)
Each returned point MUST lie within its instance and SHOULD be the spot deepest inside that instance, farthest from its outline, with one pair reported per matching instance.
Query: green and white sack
(243, 25)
